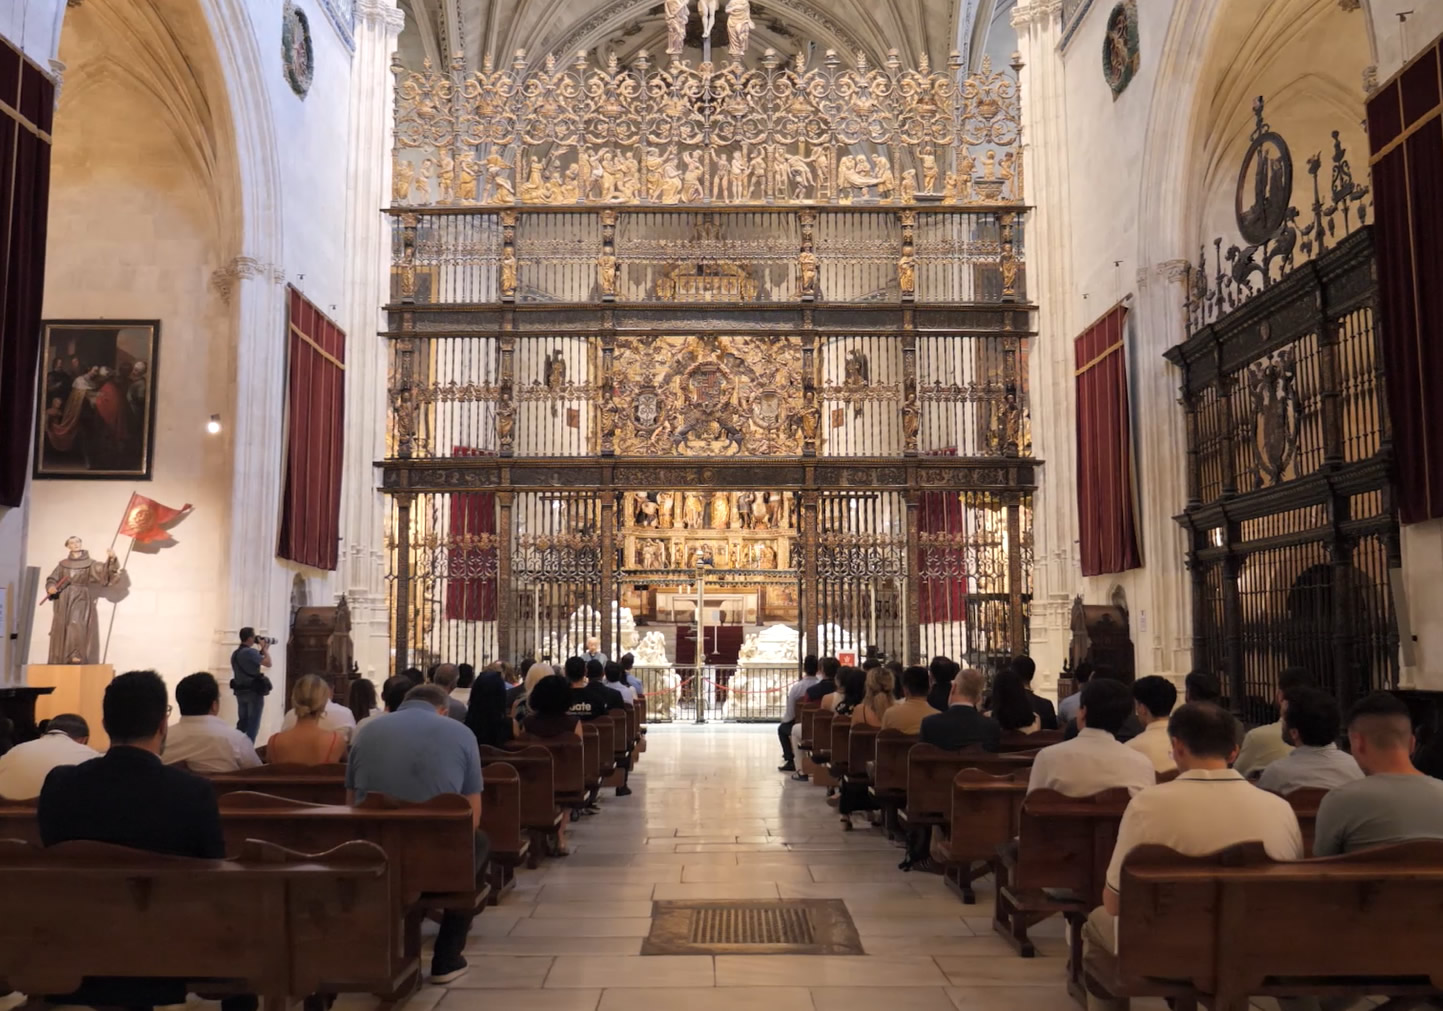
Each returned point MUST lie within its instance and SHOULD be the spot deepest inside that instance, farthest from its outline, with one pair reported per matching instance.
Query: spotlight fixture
(213, 425)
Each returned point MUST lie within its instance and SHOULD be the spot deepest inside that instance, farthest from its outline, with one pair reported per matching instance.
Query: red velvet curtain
(942, 598)
(27, 106)
(1106, 515)
(471, 557)
(315, 436)
(1408, 195)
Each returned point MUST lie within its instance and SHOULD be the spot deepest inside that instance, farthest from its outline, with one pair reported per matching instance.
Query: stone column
(1057, 576)
(367, 287)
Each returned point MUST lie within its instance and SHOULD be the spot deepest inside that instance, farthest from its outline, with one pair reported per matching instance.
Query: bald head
(968, 686)
(446, 676)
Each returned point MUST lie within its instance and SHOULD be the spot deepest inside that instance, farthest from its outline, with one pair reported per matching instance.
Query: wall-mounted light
(213, 425)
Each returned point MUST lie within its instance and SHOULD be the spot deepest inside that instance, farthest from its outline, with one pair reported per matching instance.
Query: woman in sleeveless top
(306, 743)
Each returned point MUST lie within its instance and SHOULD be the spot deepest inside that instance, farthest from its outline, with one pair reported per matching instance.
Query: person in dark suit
(128, 797)
(1025, 667)
(944, 672)
(963, 723)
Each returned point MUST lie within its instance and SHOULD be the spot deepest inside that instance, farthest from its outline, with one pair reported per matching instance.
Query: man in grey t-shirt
(1396, 802)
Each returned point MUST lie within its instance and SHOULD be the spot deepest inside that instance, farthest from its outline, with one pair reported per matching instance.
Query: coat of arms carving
(1277, 416)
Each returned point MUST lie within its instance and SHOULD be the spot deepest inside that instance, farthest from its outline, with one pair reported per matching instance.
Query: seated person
(308, 742)
(487, 714)
(412, 755)
(447, 675)
(962, 724)
(128, 797)
(1067, 708)
(65, 740)
(335, 717)
(465, 678)
(1154, 698)
(1310, 724)
(361, 701)
(549, 717)
(789, 729)
(596, 684)
(907, 715)
(826, 684)
(1094, 760)
(943, 672)
(1026, 668)
(1192, 818)
(1012, 706)
(627, 663)
(851, 688)
(518, 689)
(1395, 802)
(393, 693)
(535, 674)
(200, 738)
(1131, 726)
(1266, 744)
(877, 699)
(616, 681)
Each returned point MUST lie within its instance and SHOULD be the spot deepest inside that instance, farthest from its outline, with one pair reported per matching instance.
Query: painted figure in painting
(71, 590)
(95, 415)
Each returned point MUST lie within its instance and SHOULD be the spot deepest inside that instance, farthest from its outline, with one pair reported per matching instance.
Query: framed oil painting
(97, 399)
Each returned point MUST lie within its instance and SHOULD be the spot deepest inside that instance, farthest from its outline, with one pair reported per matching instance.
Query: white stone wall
(33, 26)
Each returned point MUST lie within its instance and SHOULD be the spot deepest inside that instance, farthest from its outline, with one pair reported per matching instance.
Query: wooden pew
(930, 771)
(539, 815)
(889, 775)
(1305, 805)
(316, 784)
(501, 821)
(1236, 924)
(620, 744)
(568, 758)
(1064, 845)
(807, 714)
(986, 810)
(1028, 742)
(861, 754)
(274, 923)
(816, 764)
(837, 747)
(591, 756)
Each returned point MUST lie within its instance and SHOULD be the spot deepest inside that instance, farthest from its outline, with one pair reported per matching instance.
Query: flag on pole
(145, 518)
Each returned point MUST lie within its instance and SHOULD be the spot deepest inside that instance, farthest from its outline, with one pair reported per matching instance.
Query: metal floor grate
(754, 925)
(789, 927)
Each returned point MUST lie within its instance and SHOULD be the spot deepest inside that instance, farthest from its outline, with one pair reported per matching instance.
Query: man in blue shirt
(414, 754)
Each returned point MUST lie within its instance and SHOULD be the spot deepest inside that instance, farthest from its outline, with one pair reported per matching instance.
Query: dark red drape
(315, 436)
(471, 557)
(1408, 195)
(1106, 515)
(942, 597)
(27, 105)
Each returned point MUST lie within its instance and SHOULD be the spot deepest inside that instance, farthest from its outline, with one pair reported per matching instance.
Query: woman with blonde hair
(877, 697)
(535, 674)
(306, 743)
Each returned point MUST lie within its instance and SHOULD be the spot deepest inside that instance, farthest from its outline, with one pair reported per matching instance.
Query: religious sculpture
(72, 589)
(929, 170)
(707, 8)
(739, 27)
(907, 273)
(677, 14)
(666, 503)
(505, 421)
(768, 557)
(508, 272)
(693, 511)
(653, 554)
(608, 271)
(807, 272)
(720, 511)
(910, 420)
(466, 171)
(498, 181)
(908, 191)
(402, 173)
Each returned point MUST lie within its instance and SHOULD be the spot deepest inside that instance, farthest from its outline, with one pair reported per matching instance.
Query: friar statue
(71, 589)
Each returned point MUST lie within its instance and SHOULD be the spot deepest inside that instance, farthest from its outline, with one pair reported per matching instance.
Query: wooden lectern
(79, 688)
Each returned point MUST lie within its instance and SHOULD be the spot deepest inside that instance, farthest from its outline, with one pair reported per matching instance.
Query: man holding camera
(250, 686)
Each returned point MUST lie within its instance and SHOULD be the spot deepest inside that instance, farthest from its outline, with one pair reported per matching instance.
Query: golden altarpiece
(708, 344)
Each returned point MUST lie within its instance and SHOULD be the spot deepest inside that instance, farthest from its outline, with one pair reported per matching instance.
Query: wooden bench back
(889, 771)
(317, 784)
(501, 809)
(430, 846)
(533, 766)
(282, 923)
(861, 749)
(1235, 920)
(930, 771)
(1028, 742)
(1066, 842)
(567, 757)
(986, 810)
(18, 821)
(591, 754)
(1305, 805)
(807, 713)
(838, 740)
(822, 734)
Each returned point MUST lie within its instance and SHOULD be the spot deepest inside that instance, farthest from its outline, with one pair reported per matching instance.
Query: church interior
(394, 335)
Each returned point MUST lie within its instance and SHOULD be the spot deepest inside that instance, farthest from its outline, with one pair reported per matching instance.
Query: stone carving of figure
(739, 27)
(646, 511)
(720, 511)
(691, 187)
(800, 170)
(807, 270)
(607, 272)
(677, 13)
(402, 172)
(910, 420)
(907, 272)
(908, 191)
(929, 170)
(708, 16)
(738, 174)
(466, 178)
(989, 165)
(886, 181)
(498, 181)
(505, 421)
(768, 557)
(1005, 169)
(446, 177)
(757, 186)
(508, 271)
(533, 188)
(669, 191)
(666, 502)
(71, 590)
(693, 511)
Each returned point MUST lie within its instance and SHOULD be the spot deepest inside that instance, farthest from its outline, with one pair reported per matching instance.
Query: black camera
(265, 640)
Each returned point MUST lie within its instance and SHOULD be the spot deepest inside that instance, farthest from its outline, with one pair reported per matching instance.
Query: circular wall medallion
(298, 58)
(1265, 187)
(1120, 55)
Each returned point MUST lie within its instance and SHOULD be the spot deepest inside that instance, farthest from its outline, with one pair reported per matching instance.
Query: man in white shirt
(336, 718)
(1311, 722)
(1154, 697)
(24, 767)
(789, 714)
(1265, 745)
(1094, 760)
(201, 739)
(1209, 807)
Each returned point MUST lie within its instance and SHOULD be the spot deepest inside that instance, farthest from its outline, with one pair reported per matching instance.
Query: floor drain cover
(790, 927)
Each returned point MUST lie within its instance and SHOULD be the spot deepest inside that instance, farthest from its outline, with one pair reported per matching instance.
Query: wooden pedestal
(79, 688)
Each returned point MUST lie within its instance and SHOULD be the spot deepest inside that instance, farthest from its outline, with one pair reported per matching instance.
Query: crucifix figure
(707, 8)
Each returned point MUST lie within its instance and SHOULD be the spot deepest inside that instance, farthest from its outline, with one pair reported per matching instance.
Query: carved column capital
(382, 14)
(224, 280)
(1173, 271)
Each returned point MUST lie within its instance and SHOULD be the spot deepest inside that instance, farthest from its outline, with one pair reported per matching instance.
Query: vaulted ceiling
(477, 28)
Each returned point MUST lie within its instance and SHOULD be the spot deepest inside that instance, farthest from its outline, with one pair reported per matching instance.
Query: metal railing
(710, 693)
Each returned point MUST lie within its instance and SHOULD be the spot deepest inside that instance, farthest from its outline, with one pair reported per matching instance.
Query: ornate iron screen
(1290, 515)
(735, 358)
